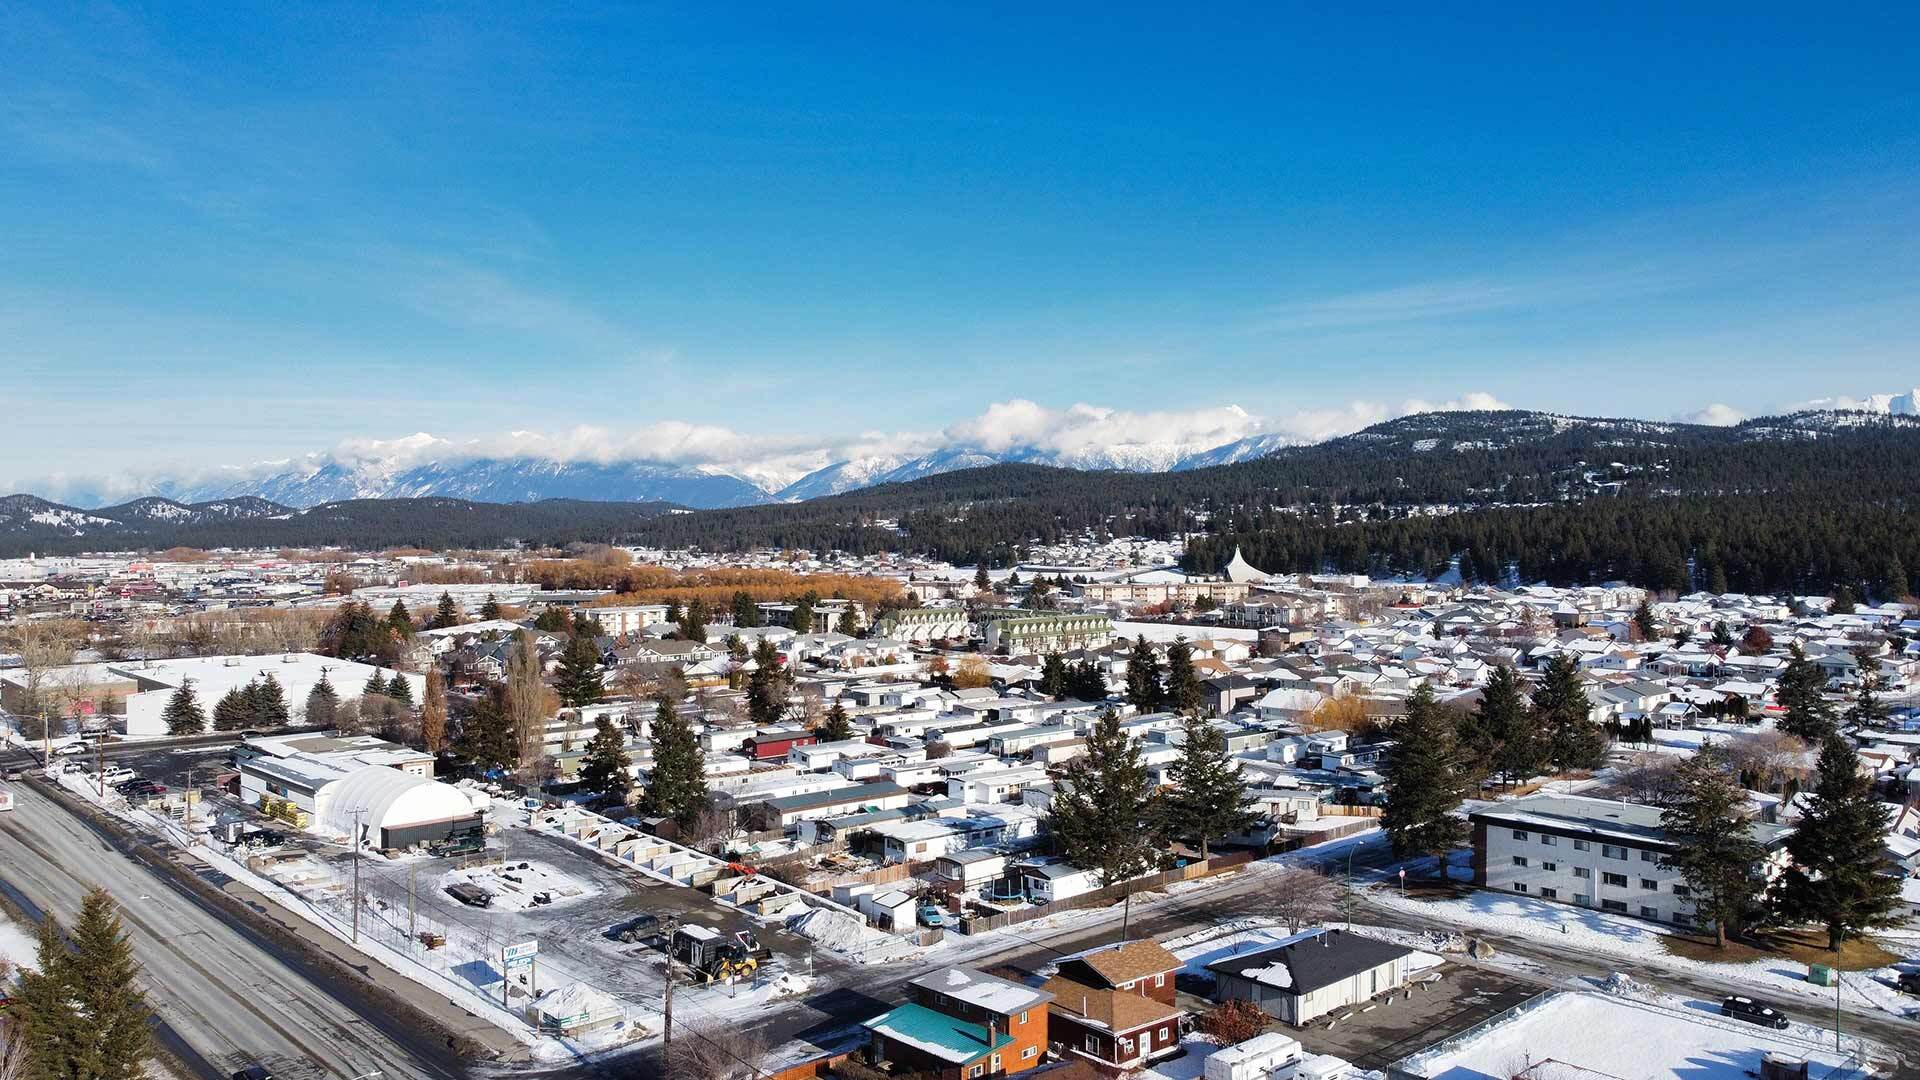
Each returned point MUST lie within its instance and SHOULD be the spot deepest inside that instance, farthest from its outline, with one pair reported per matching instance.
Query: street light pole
(357, 812)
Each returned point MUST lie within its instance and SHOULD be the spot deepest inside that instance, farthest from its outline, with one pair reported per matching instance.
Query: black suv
(1908, 982)
(1742, 1008)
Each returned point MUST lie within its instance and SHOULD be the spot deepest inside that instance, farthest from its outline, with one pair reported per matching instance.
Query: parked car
(71, 749)
(1909, 982)
(253, 1072)
(931, 915)
(1753, 1012)
(635, 930)
(117, 774)
(470, 894)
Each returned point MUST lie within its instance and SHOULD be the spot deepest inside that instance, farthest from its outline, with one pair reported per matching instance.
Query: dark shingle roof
(1316, 959)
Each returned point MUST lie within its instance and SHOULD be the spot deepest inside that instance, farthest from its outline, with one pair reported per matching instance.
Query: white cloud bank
(1714, 415)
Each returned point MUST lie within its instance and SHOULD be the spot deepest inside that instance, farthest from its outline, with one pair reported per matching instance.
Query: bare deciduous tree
(1769, 759)
(1298, 896)
(716, 1052)
(44, 646)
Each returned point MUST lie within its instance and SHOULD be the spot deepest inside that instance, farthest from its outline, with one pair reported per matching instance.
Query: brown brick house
(1120, 1028)
(1134, 967)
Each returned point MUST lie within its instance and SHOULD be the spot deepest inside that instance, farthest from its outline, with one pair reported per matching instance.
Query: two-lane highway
(231, 995)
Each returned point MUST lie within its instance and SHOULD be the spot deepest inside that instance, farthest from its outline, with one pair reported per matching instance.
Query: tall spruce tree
(486, 731)
(745, 611)
(1499, 737)
(269, 700)
(400, 620)
(1183, 693)
(849, 622)
(375, 685)
(837, 726)
(980, 579)
(491, 609)
(1425, 782)
(445, 613)
(234, 711)
(677, 783)
(606, 767)
(1208, 799)
(1144, 691)
(1644, 621)
(577, 678)
(1102, 813)
(84, 1014)
(1835, 878)
(1086, 682)
(1053, 676)
(1705, 818)
(1867, 710)
(766, 686)
(399, 689)
(1562, 712)
(183, 714)
(801, 618)
(693, 621)
(323, 704)
(1801, 693)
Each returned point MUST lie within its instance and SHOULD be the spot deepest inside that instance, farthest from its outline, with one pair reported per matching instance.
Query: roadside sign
(520, 950)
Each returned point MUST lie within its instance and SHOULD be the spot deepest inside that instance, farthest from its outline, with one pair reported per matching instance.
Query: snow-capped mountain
(29, 516)
(493, 480)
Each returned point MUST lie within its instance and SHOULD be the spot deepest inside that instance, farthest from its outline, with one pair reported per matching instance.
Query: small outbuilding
(1311, 974)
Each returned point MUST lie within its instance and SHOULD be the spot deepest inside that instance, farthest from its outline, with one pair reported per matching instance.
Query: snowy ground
(1671, 1038)
(1598, 934)
(514, 886)
(17, 946)
(1191, 1067)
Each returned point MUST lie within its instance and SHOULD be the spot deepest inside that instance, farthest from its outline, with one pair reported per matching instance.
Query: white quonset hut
(394, 810)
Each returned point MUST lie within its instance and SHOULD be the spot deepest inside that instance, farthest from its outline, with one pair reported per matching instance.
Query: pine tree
(1183, 694)
(1835, 876)
(486, 731)
(490, 609)
(1644, 622)
(1722, 635)
(1208, 798)
(1801, 692)
(1102, 811)
(1844, 601)
(674, 613)
(269, 702)
(433, 712)
(234, 711)
(1714, 846)
(1561, 710)
(837, 726)
(445, 614)
(693, 622)
(577, 678)
(1425, 782)
(1086, 682)
(376, 685)
(1144, 691)
(1499, 736)
(606, 768)
(83, 1011)
(399, 689)
(1867, 710)
(849, 623)
(745, 611)
(677, 783)
(801, 620)
(183, 714)
(1053, 676)
(980, 579)
(766, 689)
(323, 704)
(400, 620)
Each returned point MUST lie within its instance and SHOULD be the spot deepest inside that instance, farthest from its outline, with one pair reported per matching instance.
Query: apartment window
(1029, 1052)
(1611, 851)
(1519, 886)
(1519, 834)
(1649, 912)
(1583, 901)
(1023, 1016)
(1550, 894)
(1682, 891)
(1519, 860)
(977, 1070)
(1093, 1044)
(1649, 884)
(1548, 840)
(1614, 905)
(1618, 881)
(1582, 845)
(1166, 1033)
(1648, 856)
(1582, 872)
(1160, 979)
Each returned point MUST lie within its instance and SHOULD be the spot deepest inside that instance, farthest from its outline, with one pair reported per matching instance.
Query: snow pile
(17, 946)
(1622, 984)
(515, 886)
(844, 933)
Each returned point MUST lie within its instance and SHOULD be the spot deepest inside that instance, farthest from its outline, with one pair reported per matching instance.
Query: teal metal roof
(945, 1037)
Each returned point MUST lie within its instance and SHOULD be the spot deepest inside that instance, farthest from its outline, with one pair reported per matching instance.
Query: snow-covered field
(1594, 933)
(515, 886)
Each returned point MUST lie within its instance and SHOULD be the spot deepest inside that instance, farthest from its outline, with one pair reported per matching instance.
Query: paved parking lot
(1409, 1021)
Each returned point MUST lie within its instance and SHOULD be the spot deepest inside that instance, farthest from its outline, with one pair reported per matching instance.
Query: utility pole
(100, 768)
(413, 875)
(357, 811)
(666, 1009)
(1126, 916)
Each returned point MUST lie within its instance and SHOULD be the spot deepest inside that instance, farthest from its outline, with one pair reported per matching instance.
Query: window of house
(1166, 1032)
(1582, 845)
(1648, 856)
(1549, 866)
(1023, 1016)
(996, 1063)
(1519, 834)
(1649, 912)
(1618, 881)
(1614, 905)
(1682, 891)
(977, 1070)
(1029, 1052)
(1126, 1048)
(1550, 894)
(1548, 840)
(1582, 872)
(1160, 979)
(1649, 884)
(1519, 860)
(1612, 851)
(1519, 886)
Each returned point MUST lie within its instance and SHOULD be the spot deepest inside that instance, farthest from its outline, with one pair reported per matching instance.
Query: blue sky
(237, 232)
